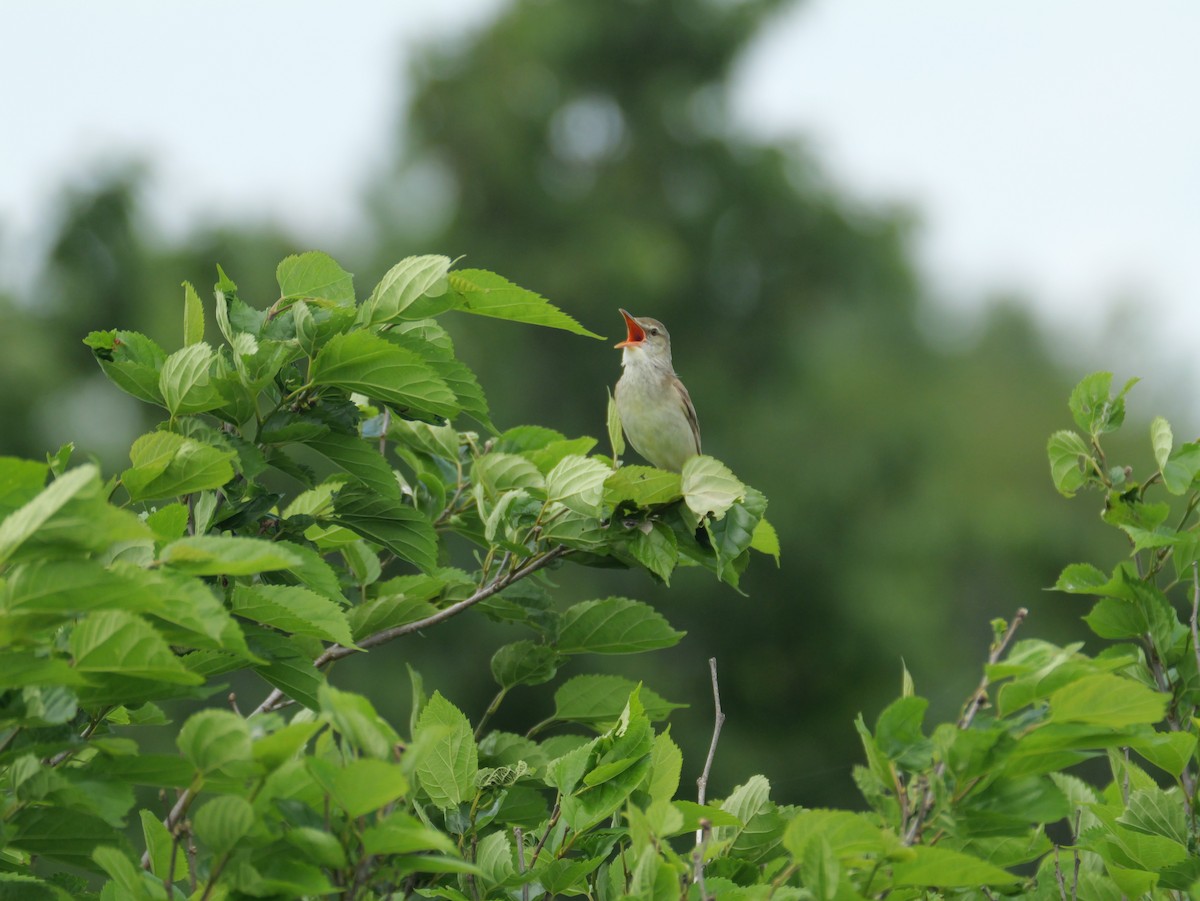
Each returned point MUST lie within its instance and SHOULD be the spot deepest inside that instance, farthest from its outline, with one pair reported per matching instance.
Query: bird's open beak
(636, 334)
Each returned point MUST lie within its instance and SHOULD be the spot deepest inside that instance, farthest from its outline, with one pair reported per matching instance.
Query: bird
(655, 408)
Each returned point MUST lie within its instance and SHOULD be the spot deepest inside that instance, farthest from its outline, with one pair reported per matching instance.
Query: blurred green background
(586, 150)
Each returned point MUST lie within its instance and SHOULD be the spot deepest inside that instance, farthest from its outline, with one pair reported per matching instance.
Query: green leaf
(131, 361)
(402, 833)
(447, 766)
(765, 540)
(293, 609)
(210, 555)
(654, 545)
(20, 482)
(359, 459)
(287, 668)
(487, 294)
(365, 785)
(820, 869)
(410, 290)
(1081, 578)
(223, 822)
(18, 526)
(1107, 700)
(169, 465)
(193, 316)
(1069, 462)
(216, 741)
(645, 486)
(400, 528)
(614, 626)
(1182, 468)
(370, 365)
(70, 836)
(1161, 440)
(358, 722)
(316, 276)
(932, 866)
(600, 699)
(117, 642)
(616, 435)
(123, 873)
(666, 765)
(1094, 410)
(709, 488)
(277, 748)
(524, 663)
(578, 484)
(184, 381)
(497, 473)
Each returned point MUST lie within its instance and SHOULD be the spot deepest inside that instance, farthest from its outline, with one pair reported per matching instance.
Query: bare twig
(702, 834)
(1196, 613)
(520, 837)
(974, 705)
(718, 722)
(1058, 877)
(1075, 851)
(337, 652)
(549, 828)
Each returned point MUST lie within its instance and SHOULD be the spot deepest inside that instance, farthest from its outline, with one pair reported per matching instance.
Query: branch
(277, 699)
(337, 652)
(974, 705)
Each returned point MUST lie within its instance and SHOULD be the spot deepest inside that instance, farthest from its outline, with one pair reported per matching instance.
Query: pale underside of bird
(656, 410)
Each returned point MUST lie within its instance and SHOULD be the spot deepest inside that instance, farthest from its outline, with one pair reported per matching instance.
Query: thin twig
(1058, 877)
(702, 782)
(277, 698)
(337, 652)
(1075, 851)
(974, 705)
(718, 722)
(1196, 613)
(520, 837)
(549, 828)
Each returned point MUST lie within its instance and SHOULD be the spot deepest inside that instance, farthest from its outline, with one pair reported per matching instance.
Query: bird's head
(646, 340)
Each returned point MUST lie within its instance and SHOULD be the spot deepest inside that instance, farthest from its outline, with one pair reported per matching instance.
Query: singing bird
(656, 410)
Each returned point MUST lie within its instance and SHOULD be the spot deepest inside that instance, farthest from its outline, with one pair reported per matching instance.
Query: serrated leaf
(193, 316)
(401, 293)
(117, 642)
(709, 487)
(400, 528)
(131, 361)
(524, 663)
(1069, 457)
(765, 540)
(600, 699)
(487, 294)
(1161, 440)
(932, 866)
(365, 785)
(1081, 578)
(359, 459)
(578, 484)
(1107, 700)
(215, 741)
(614, 626)
(656, 548)
(358, 722)
(290, 608)
(314, 275)
(447, 766)
(367, 364)
(223, 822)
(19, 526)
(166, 464)
(1181, 468)
(644, 486)
(184, 381)
(210, 555)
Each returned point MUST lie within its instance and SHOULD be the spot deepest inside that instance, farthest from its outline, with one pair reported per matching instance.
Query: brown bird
(655, 408)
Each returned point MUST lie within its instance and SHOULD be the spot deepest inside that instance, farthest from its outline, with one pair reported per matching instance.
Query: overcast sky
(1050, 147)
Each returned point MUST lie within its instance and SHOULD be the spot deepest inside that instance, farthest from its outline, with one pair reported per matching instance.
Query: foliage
(306, 499)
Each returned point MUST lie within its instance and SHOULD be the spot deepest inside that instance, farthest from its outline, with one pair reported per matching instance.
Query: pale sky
(1050, 147)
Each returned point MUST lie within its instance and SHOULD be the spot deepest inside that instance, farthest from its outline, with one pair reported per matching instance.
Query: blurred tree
(587, 150)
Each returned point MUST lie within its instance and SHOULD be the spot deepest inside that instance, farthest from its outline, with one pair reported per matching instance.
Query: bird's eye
(654, 332)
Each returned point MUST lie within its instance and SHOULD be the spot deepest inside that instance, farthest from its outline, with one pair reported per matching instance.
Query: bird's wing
(689, 410)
